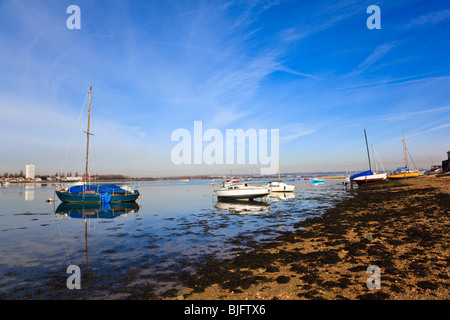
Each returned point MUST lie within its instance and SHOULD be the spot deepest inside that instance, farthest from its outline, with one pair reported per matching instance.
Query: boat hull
(280, 187)
(370, 178)
(65, 196)
(403, 175)
(247, 193)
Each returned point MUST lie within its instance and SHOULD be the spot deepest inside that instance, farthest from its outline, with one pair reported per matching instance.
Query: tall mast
(373, 159)
(87, 132)
(367, 146)
(406, 152)
(278, 152)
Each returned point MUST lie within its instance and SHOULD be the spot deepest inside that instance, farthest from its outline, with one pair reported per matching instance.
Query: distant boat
(314, 180)
(367, 176)
(278, 186)
(402, 173)
(239, 190)
(87, 193)
(405, 172)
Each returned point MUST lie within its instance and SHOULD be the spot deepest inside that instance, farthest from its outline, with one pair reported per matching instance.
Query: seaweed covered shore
(402, 227)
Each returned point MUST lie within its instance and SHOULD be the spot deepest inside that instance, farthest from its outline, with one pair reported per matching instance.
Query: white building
(29, 171)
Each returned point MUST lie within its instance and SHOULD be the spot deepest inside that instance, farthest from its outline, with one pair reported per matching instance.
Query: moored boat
(239, 190)
(97, 194)
(277, 186)
(405, 172)
(368, 176)
(402, 173)
(87, 193)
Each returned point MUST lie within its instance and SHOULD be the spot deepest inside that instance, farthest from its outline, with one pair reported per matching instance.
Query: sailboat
(278, 186)
(367, 176)
(87, 193)
(405, 172)
(239, 190)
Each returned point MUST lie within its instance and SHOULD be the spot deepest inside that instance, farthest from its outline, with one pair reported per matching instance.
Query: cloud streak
(379, 53)
(429, 19)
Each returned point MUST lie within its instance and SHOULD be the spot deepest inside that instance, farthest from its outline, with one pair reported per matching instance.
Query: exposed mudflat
(403, 227)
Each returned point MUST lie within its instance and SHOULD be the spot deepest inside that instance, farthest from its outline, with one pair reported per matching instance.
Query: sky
(312, 70)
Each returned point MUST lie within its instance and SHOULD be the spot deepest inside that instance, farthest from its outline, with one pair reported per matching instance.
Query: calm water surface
(141, 248)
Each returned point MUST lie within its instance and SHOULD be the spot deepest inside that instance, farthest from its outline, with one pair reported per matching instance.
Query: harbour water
(138, 251)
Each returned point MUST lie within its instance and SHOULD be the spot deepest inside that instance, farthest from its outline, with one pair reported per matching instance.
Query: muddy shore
(403, 227)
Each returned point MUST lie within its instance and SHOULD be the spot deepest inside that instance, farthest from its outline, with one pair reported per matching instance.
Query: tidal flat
(403, 227)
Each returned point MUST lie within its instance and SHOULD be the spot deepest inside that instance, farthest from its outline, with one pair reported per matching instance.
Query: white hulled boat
(278, 186)
(368, 176)
(239, 190)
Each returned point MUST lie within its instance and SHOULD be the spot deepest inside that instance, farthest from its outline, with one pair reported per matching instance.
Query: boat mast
(374, 161)
(406, 152)
(368, 155)
(87, 132)
(278, 152)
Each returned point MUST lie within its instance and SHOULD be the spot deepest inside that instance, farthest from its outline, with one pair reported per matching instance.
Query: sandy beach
(402, 227)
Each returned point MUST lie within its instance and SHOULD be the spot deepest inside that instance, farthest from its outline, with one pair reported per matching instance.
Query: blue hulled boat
(98, 194)
(103, 194)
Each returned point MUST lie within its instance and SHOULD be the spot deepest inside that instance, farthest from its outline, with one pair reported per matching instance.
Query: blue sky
(311, 69)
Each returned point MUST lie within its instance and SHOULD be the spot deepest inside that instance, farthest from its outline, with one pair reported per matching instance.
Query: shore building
(30, 171)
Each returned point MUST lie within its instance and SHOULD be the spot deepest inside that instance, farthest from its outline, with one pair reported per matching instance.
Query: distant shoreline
(184, 178)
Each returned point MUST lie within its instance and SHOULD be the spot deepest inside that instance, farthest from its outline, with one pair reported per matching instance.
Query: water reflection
(96, 210)
(243, 206)
(29, 192)
(281, 195)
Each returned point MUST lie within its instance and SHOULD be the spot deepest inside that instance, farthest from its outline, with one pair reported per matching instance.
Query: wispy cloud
(432, 129)
(430, 18)
(298, 73)
(293, 131)
(379, 52)
(413, 114)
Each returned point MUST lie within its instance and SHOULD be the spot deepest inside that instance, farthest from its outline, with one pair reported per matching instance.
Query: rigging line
(62, 239)
(73, 135)
(410, 156)
(379, 160)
